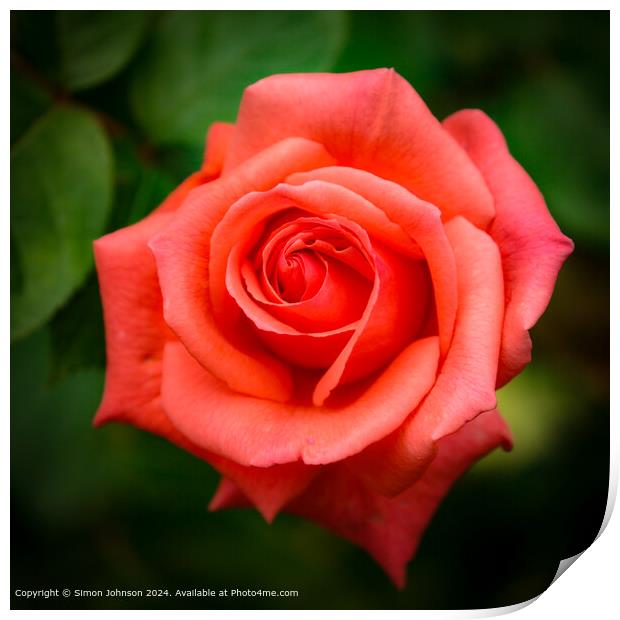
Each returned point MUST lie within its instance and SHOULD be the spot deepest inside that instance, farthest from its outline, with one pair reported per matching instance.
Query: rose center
(299, 275)
(301, 256)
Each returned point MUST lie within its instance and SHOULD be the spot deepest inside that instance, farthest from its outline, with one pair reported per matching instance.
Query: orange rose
(325, 310)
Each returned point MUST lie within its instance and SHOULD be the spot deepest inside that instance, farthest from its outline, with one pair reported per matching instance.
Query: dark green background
(108, 113)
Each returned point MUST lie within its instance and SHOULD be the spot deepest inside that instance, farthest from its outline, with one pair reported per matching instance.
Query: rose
(324, 311)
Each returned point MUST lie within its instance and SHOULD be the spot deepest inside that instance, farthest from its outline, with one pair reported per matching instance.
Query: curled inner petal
(315, 274)
(318, 290)
(305, 287)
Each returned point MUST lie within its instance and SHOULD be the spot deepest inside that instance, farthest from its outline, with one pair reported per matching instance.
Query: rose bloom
(325, 310)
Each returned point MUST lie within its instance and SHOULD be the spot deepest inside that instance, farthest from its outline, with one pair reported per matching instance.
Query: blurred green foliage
(108, 114)
(61, 178)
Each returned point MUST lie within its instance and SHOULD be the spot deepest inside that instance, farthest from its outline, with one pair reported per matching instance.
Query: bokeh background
(108, 113)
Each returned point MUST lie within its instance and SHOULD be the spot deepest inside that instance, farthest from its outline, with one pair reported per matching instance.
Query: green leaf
(95, 45)
(61, 181)
(197, 64)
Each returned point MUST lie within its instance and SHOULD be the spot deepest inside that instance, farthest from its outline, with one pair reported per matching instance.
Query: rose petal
(532, 246)
(182, 255)
(465, 386)
(372, 120)
(264, 432)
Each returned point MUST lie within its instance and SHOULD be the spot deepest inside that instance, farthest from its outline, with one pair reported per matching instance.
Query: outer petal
(268, 489)
(182, 253)
(134, 325)
(369, 119)
(532, 246)
(390, 529)
(465, 386)
(264, 432)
